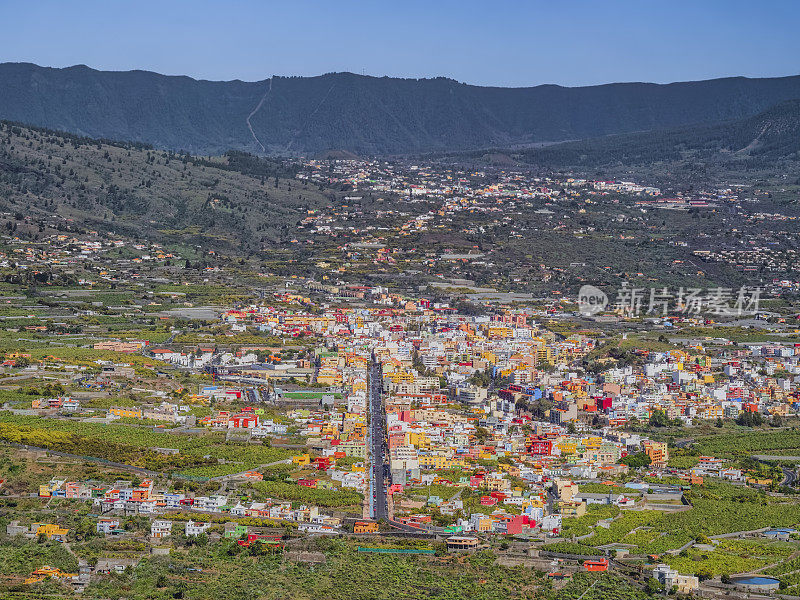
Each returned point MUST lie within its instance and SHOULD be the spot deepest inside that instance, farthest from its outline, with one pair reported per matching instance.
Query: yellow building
(572, 508)
(499, 332)
(401, 376)
(435, 461)
(46, 571)
(132, 413)
(301, 460)
(567, 447)
(329, 376)
(565, 489)
(46, 489)
(544, 355)
(489, 357)
(591, 443)
(497, 484)
(418, 439)
(51, 531)
(484, 525)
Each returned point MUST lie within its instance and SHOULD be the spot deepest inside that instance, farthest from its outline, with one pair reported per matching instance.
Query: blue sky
(497, 42)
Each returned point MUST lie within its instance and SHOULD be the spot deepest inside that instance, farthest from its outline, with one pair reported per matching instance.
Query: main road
(378, 504)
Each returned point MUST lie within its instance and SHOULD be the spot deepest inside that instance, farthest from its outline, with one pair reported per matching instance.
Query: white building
(195, 529)
(160, 528)
(107, 525)
(669, 578)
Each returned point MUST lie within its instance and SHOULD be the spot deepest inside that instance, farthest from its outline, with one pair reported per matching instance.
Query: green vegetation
(445, 492)
(746, 443)
(298, 493)
(133, 445)
(716, 509)
(231, 572)
(682, 461)
(578, 526)
(572, 548)
(730, 557)
(20, 557)
(602, 488)
(94, 447)
(636, 461)
(168, 197)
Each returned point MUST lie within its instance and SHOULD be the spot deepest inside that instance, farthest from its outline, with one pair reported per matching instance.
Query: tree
(635, 461)
(659, 419)
(481, 434)
(704, 573)
(703, 539)
(479, 378)
(750, 419)
(653, 586)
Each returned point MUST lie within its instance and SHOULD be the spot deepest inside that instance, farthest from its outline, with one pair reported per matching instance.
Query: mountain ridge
(759, 140)
(362, 114)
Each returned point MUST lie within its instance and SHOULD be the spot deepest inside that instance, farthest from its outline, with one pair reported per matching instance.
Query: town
(407, 378)
(252, 424)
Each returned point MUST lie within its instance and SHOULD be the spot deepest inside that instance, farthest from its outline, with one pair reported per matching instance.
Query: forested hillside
(233, 202)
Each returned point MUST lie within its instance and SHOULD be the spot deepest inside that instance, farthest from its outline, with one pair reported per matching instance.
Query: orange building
(657, 451)
(365, 527)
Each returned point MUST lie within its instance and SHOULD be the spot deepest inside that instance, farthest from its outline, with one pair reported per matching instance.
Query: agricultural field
(745, 443)
(297, 493)
(716, 509)
(133, 445)
(228, 571)
(731, 556)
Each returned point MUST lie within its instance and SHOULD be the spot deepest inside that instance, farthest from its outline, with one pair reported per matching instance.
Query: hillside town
(405, 394)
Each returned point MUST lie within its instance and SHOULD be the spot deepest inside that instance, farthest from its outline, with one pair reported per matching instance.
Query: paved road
(789, 477)
(378, 504)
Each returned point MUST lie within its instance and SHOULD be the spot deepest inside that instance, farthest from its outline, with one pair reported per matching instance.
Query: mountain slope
(235, 203)
(770, 136)
(342, 111)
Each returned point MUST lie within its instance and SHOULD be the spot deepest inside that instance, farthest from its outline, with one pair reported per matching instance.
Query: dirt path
(254, 111)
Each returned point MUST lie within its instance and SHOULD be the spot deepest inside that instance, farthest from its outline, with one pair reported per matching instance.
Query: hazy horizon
(510, 45)
(430, 77)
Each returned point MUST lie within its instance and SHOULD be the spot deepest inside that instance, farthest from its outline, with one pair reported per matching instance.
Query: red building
(271, 540)
(600, 564)
(322, 463)
(539, 446)
(244, 420)
(517, 524)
